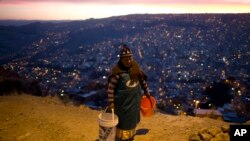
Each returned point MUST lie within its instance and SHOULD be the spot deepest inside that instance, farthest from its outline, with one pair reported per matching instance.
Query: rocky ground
(31, 118)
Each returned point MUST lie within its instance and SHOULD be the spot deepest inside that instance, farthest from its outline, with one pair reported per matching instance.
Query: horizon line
(226, 13)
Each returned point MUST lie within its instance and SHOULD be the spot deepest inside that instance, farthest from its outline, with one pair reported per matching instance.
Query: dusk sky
(84, 9)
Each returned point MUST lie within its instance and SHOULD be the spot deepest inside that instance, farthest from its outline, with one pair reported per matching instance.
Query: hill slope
(29, 118)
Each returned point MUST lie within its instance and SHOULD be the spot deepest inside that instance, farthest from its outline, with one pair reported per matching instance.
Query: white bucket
(107, 126)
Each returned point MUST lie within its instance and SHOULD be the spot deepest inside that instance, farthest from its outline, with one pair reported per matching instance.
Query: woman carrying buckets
(124, 93)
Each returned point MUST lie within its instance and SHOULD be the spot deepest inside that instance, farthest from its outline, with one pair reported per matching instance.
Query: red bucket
(147, 106)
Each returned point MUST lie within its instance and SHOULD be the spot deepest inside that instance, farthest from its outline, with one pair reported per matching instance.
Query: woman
(124, 93)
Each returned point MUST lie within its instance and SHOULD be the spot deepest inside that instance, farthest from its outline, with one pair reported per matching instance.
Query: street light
(196, 102)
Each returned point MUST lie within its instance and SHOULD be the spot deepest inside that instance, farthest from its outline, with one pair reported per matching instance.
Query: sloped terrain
(29, 118)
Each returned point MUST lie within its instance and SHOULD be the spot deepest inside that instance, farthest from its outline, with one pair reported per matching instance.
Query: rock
(202, 131)
(213, 134)
(226, 137)
(206, 136)
(225, 129)
(219, 137)
(213, 139)
(81, 107)
(194, 137)
(248, 122)
(214, 131)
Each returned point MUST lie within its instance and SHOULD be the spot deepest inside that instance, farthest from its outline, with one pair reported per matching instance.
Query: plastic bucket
(107, 126)
(148, 106)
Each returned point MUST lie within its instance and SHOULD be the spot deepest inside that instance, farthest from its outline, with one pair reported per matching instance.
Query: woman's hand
(147, 94)
(110, 107)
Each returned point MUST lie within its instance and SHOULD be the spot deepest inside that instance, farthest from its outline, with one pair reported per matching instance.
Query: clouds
(238, 1)
(83, 9)
(133, 1)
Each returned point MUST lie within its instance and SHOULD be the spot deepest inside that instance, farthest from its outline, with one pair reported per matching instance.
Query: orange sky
(84, 9)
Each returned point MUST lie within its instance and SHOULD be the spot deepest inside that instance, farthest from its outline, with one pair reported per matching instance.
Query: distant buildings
(180, 53)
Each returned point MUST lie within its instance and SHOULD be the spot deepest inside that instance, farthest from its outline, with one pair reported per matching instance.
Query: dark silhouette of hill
(11, 82)
(15, 38)
(220, 93)
(26, 22)
(7, 73)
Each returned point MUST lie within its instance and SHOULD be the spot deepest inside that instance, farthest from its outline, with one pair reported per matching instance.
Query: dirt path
(29, 118)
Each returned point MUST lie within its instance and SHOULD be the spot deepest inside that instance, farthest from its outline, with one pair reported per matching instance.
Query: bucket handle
(113, 112)
(150, 101)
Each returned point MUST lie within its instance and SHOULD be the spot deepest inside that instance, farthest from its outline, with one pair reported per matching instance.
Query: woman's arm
(144, 86)
(112, 81)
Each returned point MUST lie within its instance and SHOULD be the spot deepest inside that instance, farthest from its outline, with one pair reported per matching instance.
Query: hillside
(29, 118)
(180, 53)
